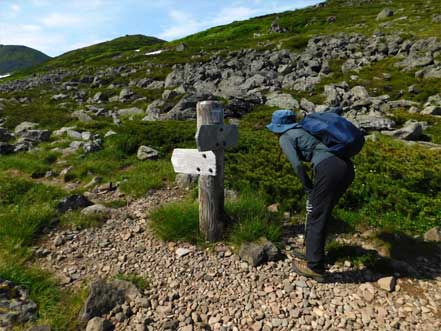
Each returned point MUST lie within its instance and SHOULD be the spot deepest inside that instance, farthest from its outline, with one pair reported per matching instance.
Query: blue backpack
(340, 136)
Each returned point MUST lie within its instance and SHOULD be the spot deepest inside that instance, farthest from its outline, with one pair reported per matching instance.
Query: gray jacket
(298, 145)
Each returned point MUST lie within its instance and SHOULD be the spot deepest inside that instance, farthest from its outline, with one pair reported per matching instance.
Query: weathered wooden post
(211, 188)
(212, 138)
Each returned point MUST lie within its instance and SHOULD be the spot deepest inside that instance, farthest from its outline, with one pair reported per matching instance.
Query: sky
(57, 26)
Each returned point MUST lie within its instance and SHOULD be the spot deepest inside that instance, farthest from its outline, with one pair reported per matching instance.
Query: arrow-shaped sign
(213, 137)
(191, 161)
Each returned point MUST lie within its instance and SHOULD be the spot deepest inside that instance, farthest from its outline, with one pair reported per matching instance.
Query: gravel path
(211, 289)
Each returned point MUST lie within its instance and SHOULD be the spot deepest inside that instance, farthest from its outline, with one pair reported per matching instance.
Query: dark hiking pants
(332, 177)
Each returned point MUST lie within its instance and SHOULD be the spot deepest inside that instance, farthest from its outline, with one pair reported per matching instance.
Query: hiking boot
(300, 253)
(301, 268)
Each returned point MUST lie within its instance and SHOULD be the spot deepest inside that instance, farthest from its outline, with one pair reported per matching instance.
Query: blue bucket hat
(282, 121)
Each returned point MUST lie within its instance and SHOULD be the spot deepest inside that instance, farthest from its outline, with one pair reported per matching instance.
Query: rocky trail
(197, 288)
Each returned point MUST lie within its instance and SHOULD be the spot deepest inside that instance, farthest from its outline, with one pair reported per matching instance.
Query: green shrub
(247, 217)
(78, 221)
(56, 307)
(251, 220)
(177, 222)
(145, 176)
(142, 283)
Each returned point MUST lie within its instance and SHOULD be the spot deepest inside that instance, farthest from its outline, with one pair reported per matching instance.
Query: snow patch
(155, 52)
(4, 76)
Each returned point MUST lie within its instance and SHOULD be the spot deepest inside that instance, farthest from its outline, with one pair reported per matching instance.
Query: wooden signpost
(212, 138)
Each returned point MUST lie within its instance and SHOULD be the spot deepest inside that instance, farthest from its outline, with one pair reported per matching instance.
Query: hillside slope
(105, 50)
(102, 122)
(15, 58)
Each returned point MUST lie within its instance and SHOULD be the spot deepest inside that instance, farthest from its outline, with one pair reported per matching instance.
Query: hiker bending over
(332, 176)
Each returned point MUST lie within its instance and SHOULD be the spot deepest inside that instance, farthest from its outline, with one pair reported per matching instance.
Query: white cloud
(15, 8)
(182, 24)
(230, 14)
(60, 20)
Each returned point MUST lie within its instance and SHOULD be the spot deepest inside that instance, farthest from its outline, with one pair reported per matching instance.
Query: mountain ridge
(18, 57)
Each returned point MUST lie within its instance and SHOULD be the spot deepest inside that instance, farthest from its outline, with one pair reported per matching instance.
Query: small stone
(301, 284)
(99, 324)
(434, 234)
(147, 153)
(180, 252)
(274, 208)
(387, 283)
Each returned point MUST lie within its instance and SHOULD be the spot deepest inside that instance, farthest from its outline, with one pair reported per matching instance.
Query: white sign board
(191, 161)
(213, 137)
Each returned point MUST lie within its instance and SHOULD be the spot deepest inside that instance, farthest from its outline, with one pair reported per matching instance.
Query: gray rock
(282, 100)
(62, 131)
(387, 283)
(36, 136)
(5, 135)
(74, 134)
(6, 148)
(360, 92)
(147, 153)
(155, 85)
(434, 234)
(58, 97)
(73, 202)
(276, 28)
(99, 97)
(169, 94)
(181, 47)
(130, 111)
(412, 130)
(99, 324)
(110, 133)
(256, 253)
(307, 105)
(180, 252)
(17, 308)
(436, 19)
(24, 126)
(372, 121)
(432, 110)
(126, 94)
(97, 211)
(81, 116)
(104, 296)
(385, 13)
(186, 180)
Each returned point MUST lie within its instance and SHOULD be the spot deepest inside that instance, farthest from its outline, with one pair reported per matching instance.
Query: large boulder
(412, 130)
(73, 202)
(99, 324)
(371, 121)
(16, 307)
(6, 148)
(5, 135)
(98, 211)
(82, 116)
(432, 110)
(36, 136)
(282, 100)
(104, 296)
(258, 252)
(130, 111)
(24, 126)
